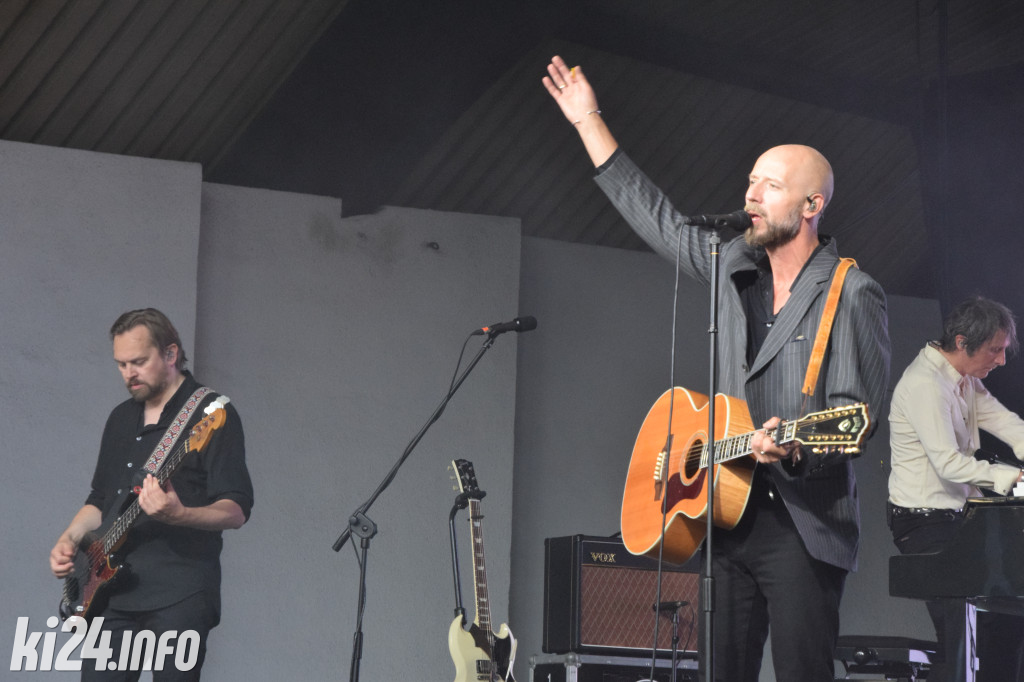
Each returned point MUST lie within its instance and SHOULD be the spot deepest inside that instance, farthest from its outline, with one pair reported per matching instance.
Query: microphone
(520, 324)
(669, 605)
(737, 220)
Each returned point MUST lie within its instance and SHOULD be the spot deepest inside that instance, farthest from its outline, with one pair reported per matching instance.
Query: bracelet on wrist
(595, 111)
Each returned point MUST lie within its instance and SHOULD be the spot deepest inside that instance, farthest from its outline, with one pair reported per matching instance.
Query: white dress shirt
(934, 429)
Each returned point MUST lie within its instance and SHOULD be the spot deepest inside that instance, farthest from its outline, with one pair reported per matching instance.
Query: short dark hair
(977, 320)
(161, 331)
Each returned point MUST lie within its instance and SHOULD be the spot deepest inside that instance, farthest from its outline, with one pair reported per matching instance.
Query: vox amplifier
(599, 599)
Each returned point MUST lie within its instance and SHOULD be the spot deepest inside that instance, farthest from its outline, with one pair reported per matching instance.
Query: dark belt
(898, 512)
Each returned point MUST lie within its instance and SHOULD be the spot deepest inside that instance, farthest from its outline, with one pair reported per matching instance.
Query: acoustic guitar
(673, 469)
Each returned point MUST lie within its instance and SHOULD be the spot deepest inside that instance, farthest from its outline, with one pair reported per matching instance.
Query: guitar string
(99, 549)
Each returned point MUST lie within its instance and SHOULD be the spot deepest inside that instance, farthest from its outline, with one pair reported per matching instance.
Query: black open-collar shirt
(168, 563)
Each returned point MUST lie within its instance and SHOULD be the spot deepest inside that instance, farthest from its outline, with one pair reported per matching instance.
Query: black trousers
(1000, 645)
(193, 613)
(763, 574)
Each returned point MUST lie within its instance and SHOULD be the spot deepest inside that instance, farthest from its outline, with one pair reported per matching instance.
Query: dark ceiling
(438, 104)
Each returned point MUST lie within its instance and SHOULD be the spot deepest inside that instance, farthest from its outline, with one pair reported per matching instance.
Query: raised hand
(571, 90)
(575, 97)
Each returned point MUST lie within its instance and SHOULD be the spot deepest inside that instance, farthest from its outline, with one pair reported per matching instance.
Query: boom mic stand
(361, 525)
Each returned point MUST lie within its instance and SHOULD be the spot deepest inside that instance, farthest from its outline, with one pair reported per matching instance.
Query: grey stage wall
(85, 236)
(336, 339)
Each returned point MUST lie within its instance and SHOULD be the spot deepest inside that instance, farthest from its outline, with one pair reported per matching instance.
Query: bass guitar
(673, 469)
(479, 653)
(97, 566)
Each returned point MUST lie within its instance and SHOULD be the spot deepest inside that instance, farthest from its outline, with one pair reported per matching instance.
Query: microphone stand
(708, 583)
(674, 607)
(708, 591)
(361, 525)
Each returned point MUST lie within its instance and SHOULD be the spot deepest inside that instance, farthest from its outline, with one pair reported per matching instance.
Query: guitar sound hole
(691, 464)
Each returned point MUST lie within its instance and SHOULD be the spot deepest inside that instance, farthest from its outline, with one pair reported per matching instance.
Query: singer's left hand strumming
(765, 449)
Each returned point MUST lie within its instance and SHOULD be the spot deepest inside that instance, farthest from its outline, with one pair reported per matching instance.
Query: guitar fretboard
(738, 446)
(483, 610)
(837, 427)
(124, 522)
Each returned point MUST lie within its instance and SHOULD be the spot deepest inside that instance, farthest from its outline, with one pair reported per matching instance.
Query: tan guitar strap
(825, 326)
(153, 464)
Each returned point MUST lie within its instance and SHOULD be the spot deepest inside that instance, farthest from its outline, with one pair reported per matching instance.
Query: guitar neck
(842, 428)
(733, 447)
(483, 609)
(112, 538)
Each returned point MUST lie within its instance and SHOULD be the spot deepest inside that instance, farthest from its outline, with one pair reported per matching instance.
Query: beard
(776, 233)
(145, 391)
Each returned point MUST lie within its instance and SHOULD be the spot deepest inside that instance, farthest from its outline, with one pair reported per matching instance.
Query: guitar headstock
(200, 435)
(840, 429)
(465, 478)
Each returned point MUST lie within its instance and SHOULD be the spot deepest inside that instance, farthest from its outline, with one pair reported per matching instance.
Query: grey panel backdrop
(85, 237)
(336, 339)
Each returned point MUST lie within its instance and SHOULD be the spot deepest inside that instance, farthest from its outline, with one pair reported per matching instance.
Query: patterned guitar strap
(170, 437)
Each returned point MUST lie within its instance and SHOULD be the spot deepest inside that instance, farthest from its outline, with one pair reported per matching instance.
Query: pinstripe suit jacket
(821, 491)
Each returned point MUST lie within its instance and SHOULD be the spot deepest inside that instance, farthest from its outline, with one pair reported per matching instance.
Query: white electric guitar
(480, 654)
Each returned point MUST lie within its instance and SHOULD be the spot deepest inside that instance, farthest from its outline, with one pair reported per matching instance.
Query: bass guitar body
(479, 658)
(93, 579)
(664, 470)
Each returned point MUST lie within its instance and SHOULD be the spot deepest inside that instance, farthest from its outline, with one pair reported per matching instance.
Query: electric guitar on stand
(479, 654)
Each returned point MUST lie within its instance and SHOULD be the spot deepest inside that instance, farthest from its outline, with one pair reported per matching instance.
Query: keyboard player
(938, 408)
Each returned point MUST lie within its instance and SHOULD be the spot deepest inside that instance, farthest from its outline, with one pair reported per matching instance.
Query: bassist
(172, 553)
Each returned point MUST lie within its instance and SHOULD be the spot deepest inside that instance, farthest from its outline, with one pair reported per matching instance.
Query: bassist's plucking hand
(63, 553)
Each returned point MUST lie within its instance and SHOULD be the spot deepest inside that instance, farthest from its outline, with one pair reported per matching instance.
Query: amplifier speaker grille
(598, 598)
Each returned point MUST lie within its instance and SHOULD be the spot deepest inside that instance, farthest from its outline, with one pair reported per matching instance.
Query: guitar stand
(461, 502)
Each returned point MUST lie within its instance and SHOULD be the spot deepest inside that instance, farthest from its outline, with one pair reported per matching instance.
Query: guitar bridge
(659, 467)
(659, 473)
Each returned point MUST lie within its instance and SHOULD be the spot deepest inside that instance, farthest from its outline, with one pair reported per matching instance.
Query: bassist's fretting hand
(160, 503)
